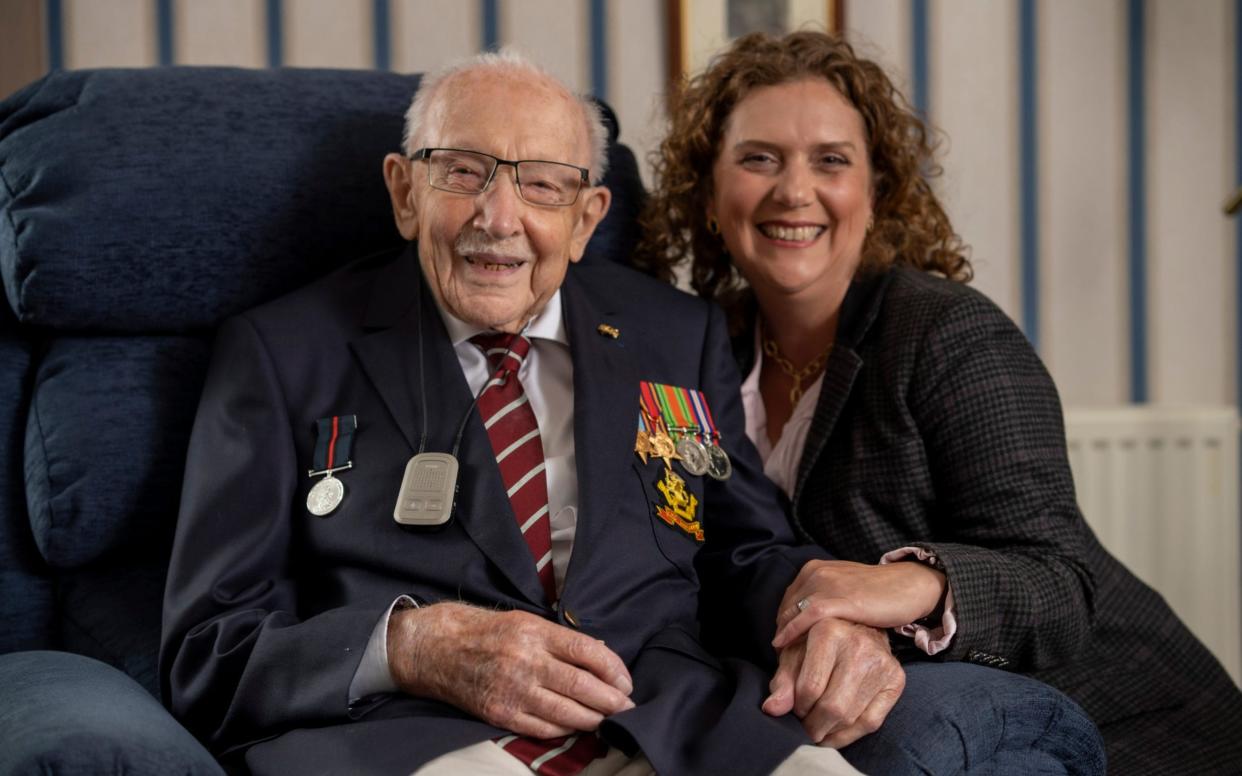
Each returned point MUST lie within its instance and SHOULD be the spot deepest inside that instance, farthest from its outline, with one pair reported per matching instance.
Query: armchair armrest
(65, 713)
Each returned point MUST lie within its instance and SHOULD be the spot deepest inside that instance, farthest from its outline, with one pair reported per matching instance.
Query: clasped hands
(836, 671)
(522, 673)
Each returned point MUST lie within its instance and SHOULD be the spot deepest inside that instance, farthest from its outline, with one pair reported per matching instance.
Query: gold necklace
(812, 368)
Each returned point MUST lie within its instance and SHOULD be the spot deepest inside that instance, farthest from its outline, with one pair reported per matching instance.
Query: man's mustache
(473, 243)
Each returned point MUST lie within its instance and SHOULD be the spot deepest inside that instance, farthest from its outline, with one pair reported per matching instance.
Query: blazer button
(571, 618)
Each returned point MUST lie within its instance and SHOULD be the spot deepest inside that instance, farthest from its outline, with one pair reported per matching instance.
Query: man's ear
(399, 177)
(593, 209)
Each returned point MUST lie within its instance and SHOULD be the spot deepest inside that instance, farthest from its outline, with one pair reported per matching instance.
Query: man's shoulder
(628, 290)
(341, 296)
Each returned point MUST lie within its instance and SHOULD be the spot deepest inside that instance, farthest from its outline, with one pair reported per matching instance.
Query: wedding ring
(802, 604)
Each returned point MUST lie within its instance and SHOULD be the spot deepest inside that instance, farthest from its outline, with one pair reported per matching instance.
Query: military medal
(674, 405)
(718, 464)
(694, 456)
(662, 445)
(333, 440)
(642, 442)
(667, 408)
(325, 496)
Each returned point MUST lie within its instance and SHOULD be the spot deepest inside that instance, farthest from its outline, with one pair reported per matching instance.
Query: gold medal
(642, 445)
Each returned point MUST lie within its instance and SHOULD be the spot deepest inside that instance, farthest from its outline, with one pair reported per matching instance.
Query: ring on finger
(802, 604)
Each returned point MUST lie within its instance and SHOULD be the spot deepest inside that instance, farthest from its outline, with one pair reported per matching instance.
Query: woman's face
(792, 189)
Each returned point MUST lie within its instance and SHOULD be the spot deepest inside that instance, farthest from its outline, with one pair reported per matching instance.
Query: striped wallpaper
(1089, 144)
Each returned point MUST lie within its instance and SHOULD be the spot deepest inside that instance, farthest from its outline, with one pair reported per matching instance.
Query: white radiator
(1159, 486)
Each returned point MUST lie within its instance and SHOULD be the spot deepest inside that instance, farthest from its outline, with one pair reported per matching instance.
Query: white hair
(426, 101)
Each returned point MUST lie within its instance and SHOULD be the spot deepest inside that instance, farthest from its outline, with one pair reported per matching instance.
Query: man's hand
(513, 670)
(841, 681)
(885, 596)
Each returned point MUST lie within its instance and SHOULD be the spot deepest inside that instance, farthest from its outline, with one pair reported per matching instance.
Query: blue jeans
(960, 718)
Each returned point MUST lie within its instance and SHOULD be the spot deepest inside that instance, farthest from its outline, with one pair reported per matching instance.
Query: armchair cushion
(68, 714)
(26, 614)
(105, 438)
(161, 200)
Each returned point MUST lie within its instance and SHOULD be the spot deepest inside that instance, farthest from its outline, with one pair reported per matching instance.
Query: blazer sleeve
(238, 660)
(751, 554)
(1006, 524)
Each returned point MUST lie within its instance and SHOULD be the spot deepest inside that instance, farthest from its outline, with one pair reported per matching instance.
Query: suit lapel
(387, 349)
(858, 311)
(401, 305)
(605, 414)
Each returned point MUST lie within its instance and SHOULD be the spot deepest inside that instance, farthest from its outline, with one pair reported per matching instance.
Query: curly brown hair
(911, 227)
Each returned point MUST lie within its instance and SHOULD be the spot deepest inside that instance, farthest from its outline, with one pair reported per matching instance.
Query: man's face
(493, 259)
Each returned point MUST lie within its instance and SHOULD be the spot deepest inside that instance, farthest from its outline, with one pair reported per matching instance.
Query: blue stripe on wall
(1137, 200)
(489, 11)
(164, 31)
(918, 56)
(275, 33)
(55, 35)
(1028, 142)
(1237, 176)
(381, 26)
(599, 48)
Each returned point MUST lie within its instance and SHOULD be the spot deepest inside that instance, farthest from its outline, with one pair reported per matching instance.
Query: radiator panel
(1159, 486)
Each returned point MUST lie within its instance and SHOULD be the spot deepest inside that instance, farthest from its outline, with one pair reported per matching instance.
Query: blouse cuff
(932, 638)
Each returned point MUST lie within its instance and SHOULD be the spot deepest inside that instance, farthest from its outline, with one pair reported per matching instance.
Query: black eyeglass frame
(424, 154)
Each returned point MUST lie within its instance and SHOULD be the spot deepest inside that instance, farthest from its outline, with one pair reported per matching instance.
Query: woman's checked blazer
(938, 426)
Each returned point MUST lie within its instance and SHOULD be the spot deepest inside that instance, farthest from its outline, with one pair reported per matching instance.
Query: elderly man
(460, 510)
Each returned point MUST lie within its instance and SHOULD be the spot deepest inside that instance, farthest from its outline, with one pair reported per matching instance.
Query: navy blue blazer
(268, 608)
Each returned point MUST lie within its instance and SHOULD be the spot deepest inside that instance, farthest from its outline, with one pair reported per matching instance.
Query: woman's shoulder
(915, 297)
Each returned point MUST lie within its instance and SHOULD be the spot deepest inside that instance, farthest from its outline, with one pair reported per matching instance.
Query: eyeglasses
(470, 172)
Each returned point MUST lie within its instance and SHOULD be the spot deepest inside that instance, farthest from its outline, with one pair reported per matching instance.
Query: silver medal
(694, 456)
(325, 496)
(718, 464)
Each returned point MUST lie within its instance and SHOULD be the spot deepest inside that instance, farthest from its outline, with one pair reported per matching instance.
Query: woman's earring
(870, 223)
(713, 226)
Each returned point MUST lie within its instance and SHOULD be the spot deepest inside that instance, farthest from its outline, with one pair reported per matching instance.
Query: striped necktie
(514, 433)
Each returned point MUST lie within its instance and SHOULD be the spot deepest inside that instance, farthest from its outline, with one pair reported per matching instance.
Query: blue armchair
(137, 209)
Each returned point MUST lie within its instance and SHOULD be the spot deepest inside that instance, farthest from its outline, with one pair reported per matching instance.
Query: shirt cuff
(373, 676)
(931, 640)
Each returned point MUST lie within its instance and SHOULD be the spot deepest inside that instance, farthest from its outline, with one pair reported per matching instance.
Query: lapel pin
(608, 331)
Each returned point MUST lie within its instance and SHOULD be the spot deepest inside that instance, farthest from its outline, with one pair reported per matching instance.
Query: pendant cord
(422, 391)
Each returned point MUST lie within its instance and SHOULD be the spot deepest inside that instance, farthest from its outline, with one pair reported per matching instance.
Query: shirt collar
(549, 324)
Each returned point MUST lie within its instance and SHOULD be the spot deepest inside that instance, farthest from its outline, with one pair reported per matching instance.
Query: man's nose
(500, 206)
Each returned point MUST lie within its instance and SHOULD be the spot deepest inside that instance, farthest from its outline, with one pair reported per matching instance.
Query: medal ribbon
(334, 439)
(704, 416)
(670, 406)
(647, 399)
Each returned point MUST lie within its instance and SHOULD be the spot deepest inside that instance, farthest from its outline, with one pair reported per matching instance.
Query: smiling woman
(903, 414)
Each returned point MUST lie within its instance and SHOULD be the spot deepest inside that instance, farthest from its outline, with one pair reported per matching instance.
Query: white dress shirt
(547, 377)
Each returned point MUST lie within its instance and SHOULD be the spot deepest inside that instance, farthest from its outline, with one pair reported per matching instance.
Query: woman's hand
(885, 596)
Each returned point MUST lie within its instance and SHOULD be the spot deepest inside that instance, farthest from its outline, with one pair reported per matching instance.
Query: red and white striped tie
(514, 432)
(511, 425)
